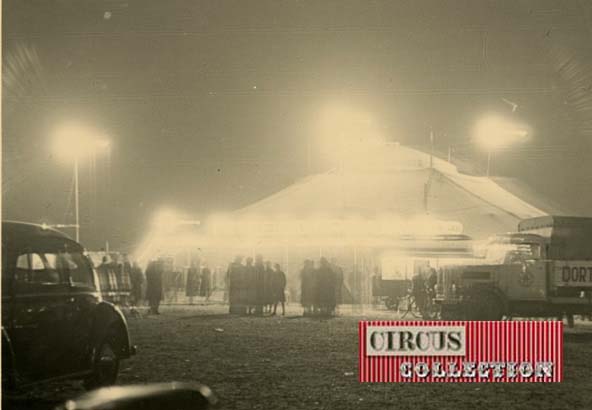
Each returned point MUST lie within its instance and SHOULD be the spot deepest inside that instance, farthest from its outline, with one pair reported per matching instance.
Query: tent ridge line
(485, 200)
(294, 187)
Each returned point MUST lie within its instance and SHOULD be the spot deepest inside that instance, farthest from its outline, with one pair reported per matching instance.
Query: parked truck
(542, 270)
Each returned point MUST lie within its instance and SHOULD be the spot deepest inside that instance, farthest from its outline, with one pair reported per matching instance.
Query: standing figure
(117, 269)
(268, 290)
(279, 289)
(126, 271)
(192, 283)
(306, 287)
(154, 285)
(431, 283)
(326, 287)
(338, 277)
(249, 287)
(259, 285)
(418, 290)
(204, 286)
(137, 280)
(234, 275)
(103, 271)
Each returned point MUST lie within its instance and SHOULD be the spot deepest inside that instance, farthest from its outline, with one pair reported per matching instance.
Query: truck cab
(541, 270)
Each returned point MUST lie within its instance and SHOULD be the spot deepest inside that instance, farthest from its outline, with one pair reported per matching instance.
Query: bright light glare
(73, 140)
(328, 227)
(494, 133)
(166, 219)
(349, 135)
(103, 144)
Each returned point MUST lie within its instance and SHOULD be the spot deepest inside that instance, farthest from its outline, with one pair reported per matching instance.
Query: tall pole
(488, 161)
(308, 153)
(431, 148)
(76, 199)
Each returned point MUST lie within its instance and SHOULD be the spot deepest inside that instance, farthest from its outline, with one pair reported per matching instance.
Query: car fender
(108, 318)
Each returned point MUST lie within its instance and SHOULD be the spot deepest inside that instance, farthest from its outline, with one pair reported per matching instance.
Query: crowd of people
(198, 282)
(117, 274)
(255, 287)
(199, 278)
(321, 287)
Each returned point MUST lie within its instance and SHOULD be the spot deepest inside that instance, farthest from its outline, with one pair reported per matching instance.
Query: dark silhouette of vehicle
(542, 270)
(54, 322)
(157, 396)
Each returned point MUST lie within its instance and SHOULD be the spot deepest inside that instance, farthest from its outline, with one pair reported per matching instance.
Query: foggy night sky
(209, 104)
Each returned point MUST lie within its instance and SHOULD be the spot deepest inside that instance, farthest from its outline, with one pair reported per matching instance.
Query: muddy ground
(303, 363)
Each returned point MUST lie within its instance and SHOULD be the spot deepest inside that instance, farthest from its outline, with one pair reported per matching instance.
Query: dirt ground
(303, 363)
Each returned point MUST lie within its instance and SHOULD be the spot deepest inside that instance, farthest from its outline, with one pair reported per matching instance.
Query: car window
(76, 266)
(31, 268)
(22, 273)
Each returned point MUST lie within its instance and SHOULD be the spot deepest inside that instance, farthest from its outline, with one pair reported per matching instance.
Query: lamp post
(72, 142)
(76, 199)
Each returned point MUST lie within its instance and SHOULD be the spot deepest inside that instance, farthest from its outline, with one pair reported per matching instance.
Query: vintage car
(54, 321)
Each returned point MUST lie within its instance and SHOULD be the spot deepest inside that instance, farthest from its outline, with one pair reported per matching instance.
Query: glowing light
(327, 228)
(73, 140)
(494, 133)
(165, 219)
(349, 136)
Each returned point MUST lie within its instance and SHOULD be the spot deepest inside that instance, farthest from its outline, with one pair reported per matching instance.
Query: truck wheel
(484, 305)
(105, 364)
(391, 303)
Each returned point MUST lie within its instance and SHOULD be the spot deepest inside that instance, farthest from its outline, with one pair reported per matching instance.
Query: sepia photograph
(296, 204)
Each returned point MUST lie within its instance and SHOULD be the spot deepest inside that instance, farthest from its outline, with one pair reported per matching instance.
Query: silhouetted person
(432, 282)
(259, 285)
(204, 285)
(127, 273)
(307, 286)
(338, 277)
(235, 274)
(418, 289)
(104, 271)
(120, 282)
(250, 287)
(268, 290)
(279, 289)
(192, 283)
(137, 280)
(154, 285)
(326, 287)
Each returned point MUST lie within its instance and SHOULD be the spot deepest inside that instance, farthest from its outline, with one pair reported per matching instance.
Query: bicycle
(408, 305)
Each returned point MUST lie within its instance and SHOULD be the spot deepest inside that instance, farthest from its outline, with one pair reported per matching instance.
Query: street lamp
(495, 133)
(72, 142)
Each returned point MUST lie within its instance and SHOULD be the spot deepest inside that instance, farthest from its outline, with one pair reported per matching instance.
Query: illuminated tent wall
(398, 181)
(392, 183)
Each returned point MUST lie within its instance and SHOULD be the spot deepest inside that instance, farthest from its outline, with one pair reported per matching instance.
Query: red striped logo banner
(461, 351)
